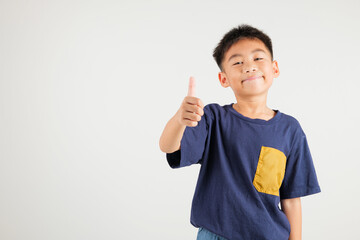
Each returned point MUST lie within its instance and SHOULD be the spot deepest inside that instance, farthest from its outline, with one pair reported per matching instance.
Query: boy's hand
(191, 109)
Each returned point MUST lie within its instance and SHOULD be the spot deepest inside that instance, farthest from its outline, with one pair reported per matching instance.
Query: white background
(86, 88)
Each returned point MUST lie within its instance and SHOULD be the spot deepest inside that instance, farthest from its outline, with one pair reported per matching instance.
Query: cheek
(265, 67)
(233, 72)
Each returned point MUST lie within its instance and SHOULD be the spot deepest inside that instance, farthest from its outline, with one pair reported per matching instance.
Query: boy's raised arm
(189, 114)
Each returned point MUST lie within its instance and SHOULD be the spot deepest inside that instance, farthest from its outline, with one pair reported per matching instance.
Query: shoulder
(215, 110)
(295, 132)
(291, 122)
(215, 107)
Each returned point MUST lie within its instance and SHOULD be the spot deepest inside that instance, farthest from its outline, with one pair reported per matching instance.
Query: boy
(252, 157)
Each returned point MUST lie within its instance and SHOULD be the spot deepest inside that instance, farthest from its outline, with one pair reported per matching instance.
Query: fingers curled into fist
(192, 108)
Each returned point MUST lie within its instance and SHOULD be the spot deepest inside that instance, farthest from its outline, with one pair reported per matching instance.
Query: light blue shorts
(204, 234)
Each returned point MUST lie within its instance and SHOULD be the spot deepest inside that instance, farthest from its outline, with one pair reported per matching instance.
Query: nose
(249, 67)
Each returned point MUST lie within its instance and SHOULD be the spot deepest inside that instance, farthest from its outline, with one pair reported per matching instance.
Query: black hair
(234, 35)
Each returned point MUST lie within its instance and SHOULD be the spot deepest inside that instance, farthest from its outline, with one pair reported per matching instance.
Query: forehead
(246, 46)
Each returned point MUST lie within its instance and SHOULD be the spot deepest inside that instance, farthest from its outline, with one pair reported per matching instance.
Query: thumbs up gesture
(192, 108)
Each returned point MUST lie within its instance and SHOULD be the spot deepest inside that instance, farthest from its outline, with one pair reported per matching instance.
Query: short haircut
(243, 31)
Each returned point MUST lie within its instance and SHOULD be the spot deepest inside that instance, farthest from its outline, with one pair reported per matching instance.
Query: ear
(223, 80)
(276, 70)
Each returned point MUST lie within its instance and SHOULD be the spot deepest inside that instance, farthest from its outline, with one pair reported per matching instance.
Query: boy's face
(248, 68)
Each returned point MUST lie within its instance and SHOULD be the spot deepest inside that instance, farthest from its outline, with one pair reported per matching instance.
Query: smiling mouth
(251, 78)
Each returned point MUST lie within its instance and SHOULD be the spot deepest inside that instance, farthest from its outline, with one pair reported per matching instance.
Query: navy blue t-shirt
(247, 166)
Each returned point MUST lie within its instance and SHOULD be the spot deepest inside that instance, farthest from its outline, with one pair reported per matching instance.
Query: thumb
(191, 91)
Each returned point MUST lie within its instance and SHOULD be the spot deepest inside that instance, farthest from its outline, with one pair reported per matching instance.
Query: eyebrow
(239, 55)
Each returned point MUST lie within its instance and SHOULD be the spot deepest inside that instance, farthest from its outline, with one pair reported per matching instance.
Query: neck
(253, 107)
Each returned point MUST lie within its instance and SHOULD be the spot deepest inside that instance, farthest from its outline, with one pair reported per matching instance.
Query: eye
(258, 59)
(237, 63)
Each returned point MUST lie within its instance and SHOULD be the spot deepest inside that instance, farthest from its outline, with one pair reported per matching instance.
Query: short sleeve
(192, 145)
(300, 176)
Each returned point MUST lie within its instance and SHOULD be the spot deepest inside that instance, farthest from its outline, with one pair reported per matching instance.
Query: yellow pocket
(270, 170)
